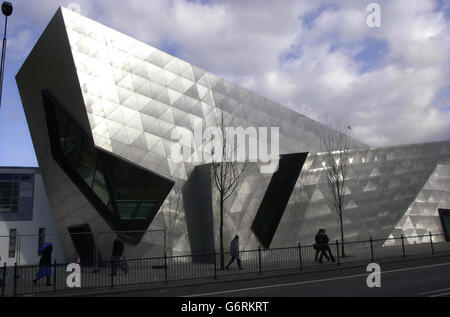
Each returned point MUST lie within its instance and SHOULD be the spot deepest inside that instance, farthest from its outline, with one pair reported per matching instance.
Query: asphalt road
(425, 277)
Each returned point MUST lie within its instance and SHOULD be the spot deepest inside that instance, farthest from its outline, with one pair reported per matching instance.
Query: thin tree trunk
(342, 235)
(222, 258)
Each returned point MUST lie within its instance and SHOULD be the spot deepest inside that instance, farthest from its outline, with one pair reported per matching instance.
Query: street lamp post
(7, 10)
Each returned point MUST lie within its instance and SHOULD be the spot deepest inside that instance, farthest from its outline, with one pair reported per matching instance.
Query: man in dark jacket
(324, 247)
(234, 252)
(45, 263)
(117, 252)
(317, 245)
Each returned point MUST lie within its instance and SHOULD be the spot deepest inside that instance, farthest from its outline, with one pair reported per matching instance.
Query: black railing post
(4, 279)
(54, 278)
(259, 259)
(165, 268)
(112, 272)
(215, 264)
(403, 245)
(431, 242)
(371, 249)
(300, 256)
(15, 280)
(337, 251)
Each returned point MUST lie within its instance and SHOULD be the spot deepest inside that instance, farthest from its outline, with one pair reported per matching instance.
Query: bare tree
(335, 143)
(226, 173)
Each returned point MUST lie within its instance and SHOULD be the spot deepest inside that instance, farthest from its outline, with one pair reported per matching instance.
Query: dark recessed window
(84, 243)
(13, 189)
(6, 177)
(444, 214)
(125, 195)
(26, 177)
(276, 197)
(12, 243)
(136, 194)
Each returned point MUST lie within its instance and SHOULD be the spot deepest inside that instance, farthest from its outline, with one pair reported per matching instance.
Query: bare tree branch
(226, 172)
(335, 145)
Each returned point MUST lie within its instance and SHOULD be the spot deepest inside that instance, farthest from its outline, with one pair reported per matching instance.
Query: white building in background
(25, 217)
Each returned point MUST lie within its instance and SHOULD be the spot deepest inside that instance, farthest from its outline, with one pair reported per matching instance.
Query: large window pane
(5, 177)
(26, 189)
(5, 196)
(154, 188)
(121, 192)
(61, 124)
(127, 186)
(127, 208)
(5, 200)
(26, 177)
(72, 147)
(136, 193)
(12, 243)
(88, 161)
(145, 208)
(11, 190)
(99, 187)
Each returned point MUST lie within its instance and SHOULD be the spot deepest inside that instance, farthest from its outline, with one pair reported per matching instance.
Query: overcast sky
(317, 57)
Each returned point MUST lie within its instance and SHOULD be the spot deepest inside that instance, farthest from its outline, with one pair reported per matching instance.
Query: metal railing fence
(18, 280)
(27, 245)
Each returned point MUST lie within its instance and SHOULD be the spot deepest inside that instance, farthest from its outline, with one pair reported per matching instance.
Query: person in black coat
(117, 253)
(45, 264)
(324, 247)
(234, 252)
(317, 245)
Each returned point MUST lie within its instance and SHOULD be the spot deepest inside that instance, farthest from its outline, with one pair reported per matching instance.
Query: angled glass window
(99, 184)
(276, 198)
(87, 163)
(125, 195)
(135, 193)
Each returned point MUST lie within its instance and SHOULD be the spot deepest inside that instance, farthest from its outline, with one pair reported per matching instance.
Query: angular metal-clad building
(103, 110)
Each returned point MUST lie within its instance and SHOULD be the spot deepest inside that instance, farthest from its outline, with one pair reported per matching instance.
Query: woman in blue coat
(45, 263)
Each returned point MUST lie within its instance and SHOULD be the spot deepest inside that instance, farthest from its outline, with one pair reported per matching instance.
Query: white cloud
(20, 44)
(348, 24)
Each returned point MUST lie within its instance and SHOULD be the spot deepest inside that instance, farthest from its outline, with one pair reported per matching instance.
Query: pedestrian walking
(45, 264)
(234, 252)
(324, 246)
(118, 249)
(316, 245)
